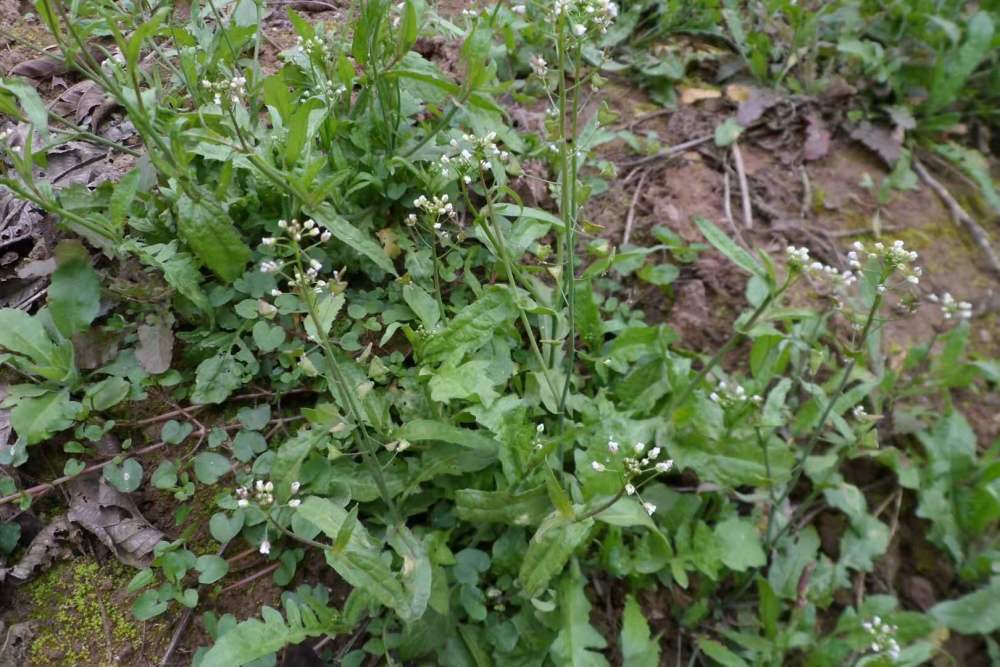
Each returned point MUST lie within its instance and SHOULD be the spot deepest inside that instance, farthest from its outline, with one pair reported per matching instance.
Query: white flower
(325, 236)
(242, 502)
(268, 240)
(630, 489)
(612, 446)
(519, 9)
(540, 428)
(665, 466)
(579, 29)
(296, 485)
(265, 547)
(654, 453)
(649, 507)
(294, 502)
(598, 466)
(639, 447)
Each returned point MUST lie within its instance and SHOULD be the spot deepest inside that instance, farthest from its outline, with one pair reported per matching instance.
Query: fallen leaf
(880, 139)
(156, 347)
(737, 92)
(16, 645)
(817, 139)
(39, 268)
(39, 68)
(113, 519)
(95, 347)
(760, 100)
(50, 544)
(692, 95)
(387, 237)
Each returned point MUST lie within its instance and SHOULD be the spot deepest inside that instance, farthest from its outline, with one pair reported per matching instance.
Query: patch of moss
(69, 606)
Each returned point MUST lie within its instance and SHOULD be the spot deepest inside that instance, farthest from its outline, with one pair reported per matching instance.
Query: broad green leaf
(216, 378)
(326, 312)
(74, 296)
(975, 613)
(38, 418)
(727, 132)
(975, 167)
(588, 316)
(148, 605)
(720, 654)
(210, 466)
(467, 381)
(360, 563)
(954, 69)
(578, 642)
(213, 238)
(351, 236)
(422, 430)
(550, 548)
(473, 327)
(31, 104)
(741, 549)
(35, 351)
(253, 639)
(178, 268)
(108, 393)
(638, 648)
(125, 477)
(223, 527)
(211, 568)
(423, 305)
(268, 337)
(727, 247)
(522, 509)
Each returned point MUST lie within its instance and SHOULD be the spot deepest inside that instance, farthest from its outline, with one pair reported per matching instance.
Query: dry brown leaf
(737, 92)
(112, 518)
(693, 95)
(817, 139)
(387, 237)
(39, 68)
(759, 101)
(156, 347)
(887, 144)
(49, 544)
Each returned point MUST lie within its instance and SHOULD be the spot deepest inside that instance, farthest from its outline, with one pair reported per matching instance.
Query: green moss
(70, 604)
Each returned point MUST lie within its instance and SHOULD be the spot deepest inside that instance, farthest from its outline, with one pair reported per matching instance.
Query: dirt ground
(820, 203)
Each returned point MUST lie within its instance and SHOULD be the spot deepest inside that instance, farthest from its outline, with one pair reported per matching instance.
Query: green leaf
(975, 613)
(178, 268)
(360, 562)
(211, 568)
(255, 418)
(473, 327)
(210, 466)
(549, 550)
(588, 316)
(727, 132)
(326, 313)
(351, 236)
(108, 393)
(975, 167)
(73, 467)
(253, 639)
(267, 337)
(954, 69)
(423, 305)
(125, 477)
(468, 381)
(148, 605)
(733, 252)
(37, 353)
(216, 378)
(720, 654)
(741, 549)
(638, 649)
(223, 527)
(528, 508)
(577, 643)
(31, 103)
(421, 430)
(74, 296)
(40, 417)
(213, 238)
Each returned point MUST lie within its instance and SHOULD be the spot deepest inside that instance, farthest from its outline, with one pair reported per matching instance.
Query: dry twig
(741, 175)
(630, 218)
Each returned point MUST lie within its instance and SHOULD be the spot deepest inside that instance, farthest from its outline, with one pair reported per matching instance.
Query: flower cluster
(317, 46)
(882, 639)
(798, 259)
(307, 274)
(263, 493)
(895, 258)
(470, 156)
(539, 67)
(232, 90)
(585, 16)
(951, 308)
(634, 461)
(728, 395)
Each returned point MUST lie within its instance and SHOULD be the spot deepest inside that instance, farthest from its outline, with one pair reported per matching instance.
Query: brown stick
(630, 218)
(741, 176)
(960, 216)
(667, 152)
(246, 580)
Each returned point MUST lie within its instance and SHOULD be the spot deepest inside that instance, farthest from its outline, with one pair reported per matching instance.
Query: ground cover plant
(333, 336)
